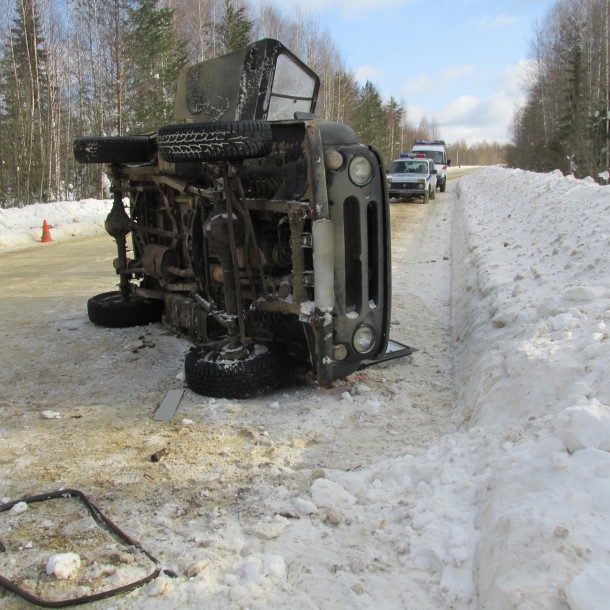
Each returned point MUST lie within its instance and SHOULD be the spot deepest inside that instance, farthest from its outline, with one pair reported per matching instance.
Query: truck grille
(352, 256)
(361, 256)
(404, 185)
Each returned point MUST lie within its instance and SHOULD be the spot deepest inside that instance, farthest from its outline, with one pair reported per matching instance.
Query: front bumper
(406, 190)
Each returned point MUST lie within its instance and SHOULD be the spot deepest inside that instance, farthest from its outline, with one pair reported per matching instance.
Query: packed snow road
(407, 486)
(77, 405)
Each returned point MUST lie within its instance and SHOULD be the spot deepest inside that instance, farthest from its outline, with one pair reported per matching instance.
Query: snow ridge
(531, 302)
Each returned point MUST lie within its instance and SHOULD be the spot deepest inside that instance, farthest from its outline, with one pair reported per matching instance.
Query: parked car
(259, 232)
(438, 153)
(411, 176)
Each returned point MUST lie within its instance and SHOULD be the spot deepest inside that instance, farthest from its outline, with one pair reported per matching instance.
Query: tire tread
(108, 309)
(214, 141)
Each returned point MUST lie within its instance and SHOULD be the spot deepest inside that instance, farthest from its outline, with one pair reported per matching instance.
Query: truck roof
(425, 143)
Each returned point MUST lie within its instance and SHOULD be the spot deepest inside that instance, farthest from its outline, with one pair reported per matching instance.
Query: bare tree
(76, 67)
(564, 123)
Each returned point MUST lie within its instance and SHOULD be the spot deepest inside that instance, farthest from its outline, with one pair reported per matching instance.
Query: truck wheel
(207, 373)
(443, 185)
(211, 141)
(114, 149)
(111, 310)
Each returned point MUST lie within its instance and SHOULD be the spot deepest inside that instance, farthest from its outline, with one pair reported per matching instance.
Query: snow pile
(531, 305)
(512, 509)
(22, 227)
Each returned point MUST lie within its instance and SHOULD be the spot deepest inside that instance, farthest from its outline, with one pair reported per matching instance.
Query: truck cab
(438, 153)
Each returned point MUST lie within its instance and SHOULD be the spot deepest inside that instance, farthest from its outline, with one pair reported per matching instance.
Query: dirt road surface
(77, 401)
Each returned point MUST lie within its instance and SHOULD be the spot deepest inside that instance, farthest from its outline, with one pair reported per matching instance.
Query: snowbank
(531, 303)
(510, 511)
(21, 228)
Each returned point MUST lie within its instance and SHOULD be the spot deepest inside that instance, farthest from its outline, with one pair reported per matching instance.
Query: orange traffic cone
(46, 234)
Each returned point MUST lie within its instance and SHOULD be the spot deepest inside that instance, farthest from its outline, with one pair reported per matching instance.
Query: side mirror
(434, 171)
(448, 161)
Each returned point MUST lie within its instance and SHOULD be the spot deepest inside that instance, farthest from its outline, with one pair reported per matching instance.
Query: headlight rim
(352, 169)
(357, 335)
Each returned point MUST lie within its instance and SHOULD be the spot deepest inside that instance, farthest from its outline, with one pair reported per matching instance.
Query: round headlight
(333, 160)
(360, 170)
(364, 339)
(340, 352)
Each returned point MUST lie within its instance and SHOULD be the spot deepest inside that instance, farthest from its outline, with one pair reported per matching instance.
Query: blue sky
(461, 62)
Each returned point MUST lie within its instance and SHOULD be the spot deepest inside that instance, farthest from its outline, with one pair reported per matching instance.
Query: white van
(438, 153)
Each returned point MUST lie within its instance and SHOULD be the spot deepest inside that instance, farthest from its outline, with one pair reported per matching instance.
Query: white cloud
(461, 108)
(349, 8)
(366, 72)
(499, 21)
(430, 83)
(456, 72)
(423, 82)
(470, 119)
(475, 119)
(515, 77)
(416, 113)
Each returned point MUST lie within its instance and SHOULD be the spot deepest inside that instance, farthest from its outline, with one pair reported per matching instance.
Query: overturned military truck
(259, 232)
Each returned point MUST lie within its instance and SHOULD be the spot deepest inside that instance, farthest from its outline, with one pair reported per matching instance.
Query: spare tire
(214, 141)
(114, 149)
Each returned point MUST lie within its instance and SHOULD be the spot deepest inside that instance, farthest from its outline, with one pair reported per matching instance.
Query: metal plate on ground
(168, 405)
(394, 350)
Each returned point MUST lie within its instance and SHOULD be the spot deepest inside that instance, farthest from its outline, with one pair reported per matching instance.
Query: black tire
(443, 185)
(207, 373)
(222, 141)
(109, 309)
(433, 194)
(115, 150)
(427, 196)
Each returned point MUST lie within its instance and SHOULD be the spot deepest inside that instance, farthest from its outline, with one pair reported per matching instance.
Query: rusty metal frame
(104, 523)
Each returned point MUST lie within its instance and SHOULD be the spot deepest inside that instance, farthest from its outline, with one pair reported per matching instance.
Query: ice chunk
(590, 589)
(329, 493)
(585, 425)
(63, 565)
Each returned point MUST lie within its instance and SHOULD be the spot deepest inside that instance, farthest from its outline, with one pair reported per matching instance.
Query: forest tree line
(564, 122)
(108, 67)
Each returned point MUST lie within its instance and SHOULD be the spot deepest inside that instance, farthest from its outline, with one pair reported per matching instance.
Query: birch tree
(564, 122)
(25, 105)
